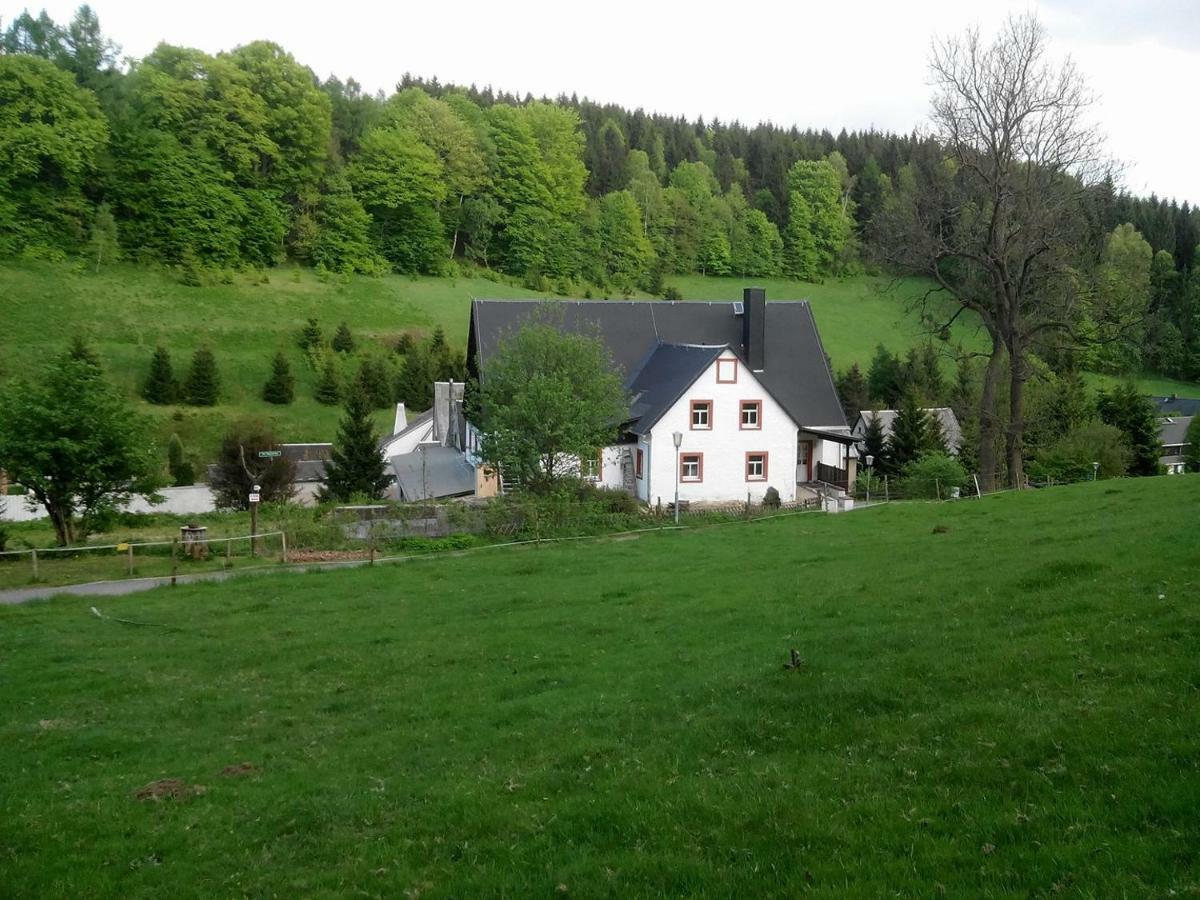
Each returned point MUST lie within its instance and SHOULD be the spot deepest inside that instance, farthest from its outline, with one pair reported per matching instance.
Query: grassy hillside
(126, 310)
(613, 718)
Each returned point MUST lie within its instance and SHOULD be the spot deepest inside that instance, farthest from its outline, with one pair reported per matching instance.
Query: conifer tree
(374, 381)
(414, 385)
(160, 387)
(910, 432)
(203, 384)
(1126, 408)
(853, 391)
(355, 467)
(182, 473)
(310, 335)
(281, 386)
(343, 340)
(329, 385)
(884, 379)
(81, 351)
(875, 446)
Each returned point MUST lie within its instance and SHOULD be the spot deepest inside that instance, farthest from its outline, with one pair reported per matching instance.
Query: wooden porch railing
(839, 478)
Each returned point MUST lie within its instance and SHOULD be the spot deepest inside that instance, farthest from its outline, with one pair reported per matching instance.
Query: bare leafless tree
(998, 220)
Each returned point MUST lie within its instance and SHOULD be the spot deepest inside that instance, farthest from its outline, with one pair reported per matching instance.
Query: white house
(746, 385)
(1172, 436)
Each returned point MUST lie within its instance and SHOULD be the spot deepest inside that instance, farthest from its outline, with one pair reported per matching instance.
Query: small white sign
(254, 498)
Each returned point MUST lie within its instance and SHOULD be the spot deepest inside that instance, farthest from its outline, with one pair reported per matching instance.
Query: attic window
(727, 371)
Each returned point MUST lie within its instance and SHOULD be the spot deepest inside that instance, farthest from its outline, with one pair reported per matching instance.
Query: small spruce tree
(355, 467)
(875, 446)
(1126, 408)
(160, 387)
(404, 344)
(281, 386)
(203, 384)
(854, 393)
(310, 335)
(329, 385)
(343, 340)
(376, 382)
(81, 351)
(910, 432)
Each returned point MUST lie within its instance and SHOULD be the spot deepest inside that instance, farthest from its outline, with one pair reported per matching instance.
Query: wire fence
(192, 553)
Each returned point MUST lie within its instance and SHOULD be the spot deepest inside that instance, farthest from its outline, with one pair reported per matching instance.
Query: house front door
(804, 455)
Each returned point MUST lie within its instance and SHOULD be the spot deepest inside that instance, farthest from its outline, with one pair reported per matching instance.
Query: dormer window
(701, 415)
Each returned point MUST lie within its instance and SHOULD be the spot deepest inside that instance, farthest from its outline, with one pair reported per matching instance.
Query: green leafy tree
(281, 386)
(1118, 306)
(103, 246)
(51, 134)
(329, 384)
(1073, 455)
(355, 467)
(203, 384)
(546, 399)
(1191, 451)
(818, 227)
(73, 441)
(932, 475)
(398, 179)
(755, 246)
(239, 468)
(341, 239)
(1125, 408)
(343, 340)
(160, 386)
(620, 251)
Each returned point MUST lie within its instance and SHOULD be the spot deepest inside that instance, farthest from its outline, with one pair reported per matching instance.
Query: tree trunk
(1014, 443)
(988, 423)
(63, 533)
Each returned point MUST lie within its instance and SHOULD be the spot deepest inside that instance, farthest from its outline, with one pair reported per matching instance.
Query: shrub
(1071, 457)
(672, 293)
(932, 475)
(182, 471)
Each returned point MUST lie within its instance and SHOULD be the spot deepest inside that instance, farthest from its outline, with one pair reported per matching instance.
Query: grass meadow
(997, 698)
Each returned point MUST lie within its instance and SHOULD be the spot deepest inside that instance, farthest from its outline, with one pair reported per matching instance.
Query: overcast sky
(822, 64)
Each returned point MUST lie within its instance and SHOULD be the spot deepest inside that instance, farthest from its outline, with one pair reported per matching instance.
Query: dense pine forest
(245, 159)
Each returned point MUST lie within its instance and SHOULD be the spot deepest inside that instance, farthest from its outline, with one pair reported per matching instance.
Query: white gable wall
(724, 444)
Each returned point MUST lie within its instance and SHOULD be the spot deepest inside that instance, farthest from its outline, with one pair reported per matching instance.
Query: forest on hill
(244, 159)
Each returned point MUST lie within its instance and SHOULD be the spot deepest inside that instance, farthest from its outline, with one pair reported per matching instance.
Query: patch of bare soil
(239, 769)
(305, 556)
(169, 789)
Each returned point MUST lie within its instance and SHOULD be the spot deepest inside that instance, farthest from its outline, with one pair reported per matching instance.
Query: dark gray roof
(433, 471)
(1172, 431)
(1176, 406)
(795, 370)
(666, 374)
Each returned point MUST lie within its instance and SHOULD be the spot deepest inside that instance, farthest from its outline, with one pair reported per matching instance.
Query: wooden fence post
(228, 553)
(130, 546)
(174, 559)
(33, 556)
(283, 539)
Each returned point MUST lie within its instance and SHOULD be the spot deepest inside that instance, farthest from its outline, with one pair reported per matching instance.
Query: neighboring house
(746, 384)
(1176, 406)
(428, 455)
(951, 430)
(1172, 435)
(309, 460)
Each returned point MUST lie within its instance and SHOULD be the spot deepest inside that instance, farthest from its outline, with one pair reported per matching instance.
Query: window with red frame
(756, 466)
(691, 467)
(751, 415)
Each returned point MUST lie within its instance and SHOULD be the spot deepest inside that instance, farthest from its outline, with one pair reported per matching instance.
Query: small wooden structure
(195, 540)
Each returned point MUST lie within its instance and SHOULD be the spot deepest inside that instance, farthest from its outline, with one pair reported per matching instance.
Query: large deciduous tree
(72, 440)
(51, 133)
(547, 399)
(997, 221)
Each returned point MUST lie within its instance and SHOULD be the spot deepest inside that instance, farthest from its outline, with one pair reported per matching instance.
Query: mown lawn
(1006, 706)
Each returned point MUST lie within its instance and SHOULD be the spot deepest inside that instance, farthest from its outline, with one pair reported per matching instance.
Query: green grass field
(1004, 706)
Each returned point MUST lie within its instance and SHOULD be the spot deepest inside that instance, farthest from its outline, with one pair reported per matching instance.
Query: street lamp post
(677, 437)
(869, 459)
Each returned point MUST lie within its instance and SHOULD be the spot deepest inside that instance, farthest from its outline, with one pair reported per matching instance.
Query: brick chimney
(754, 327)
